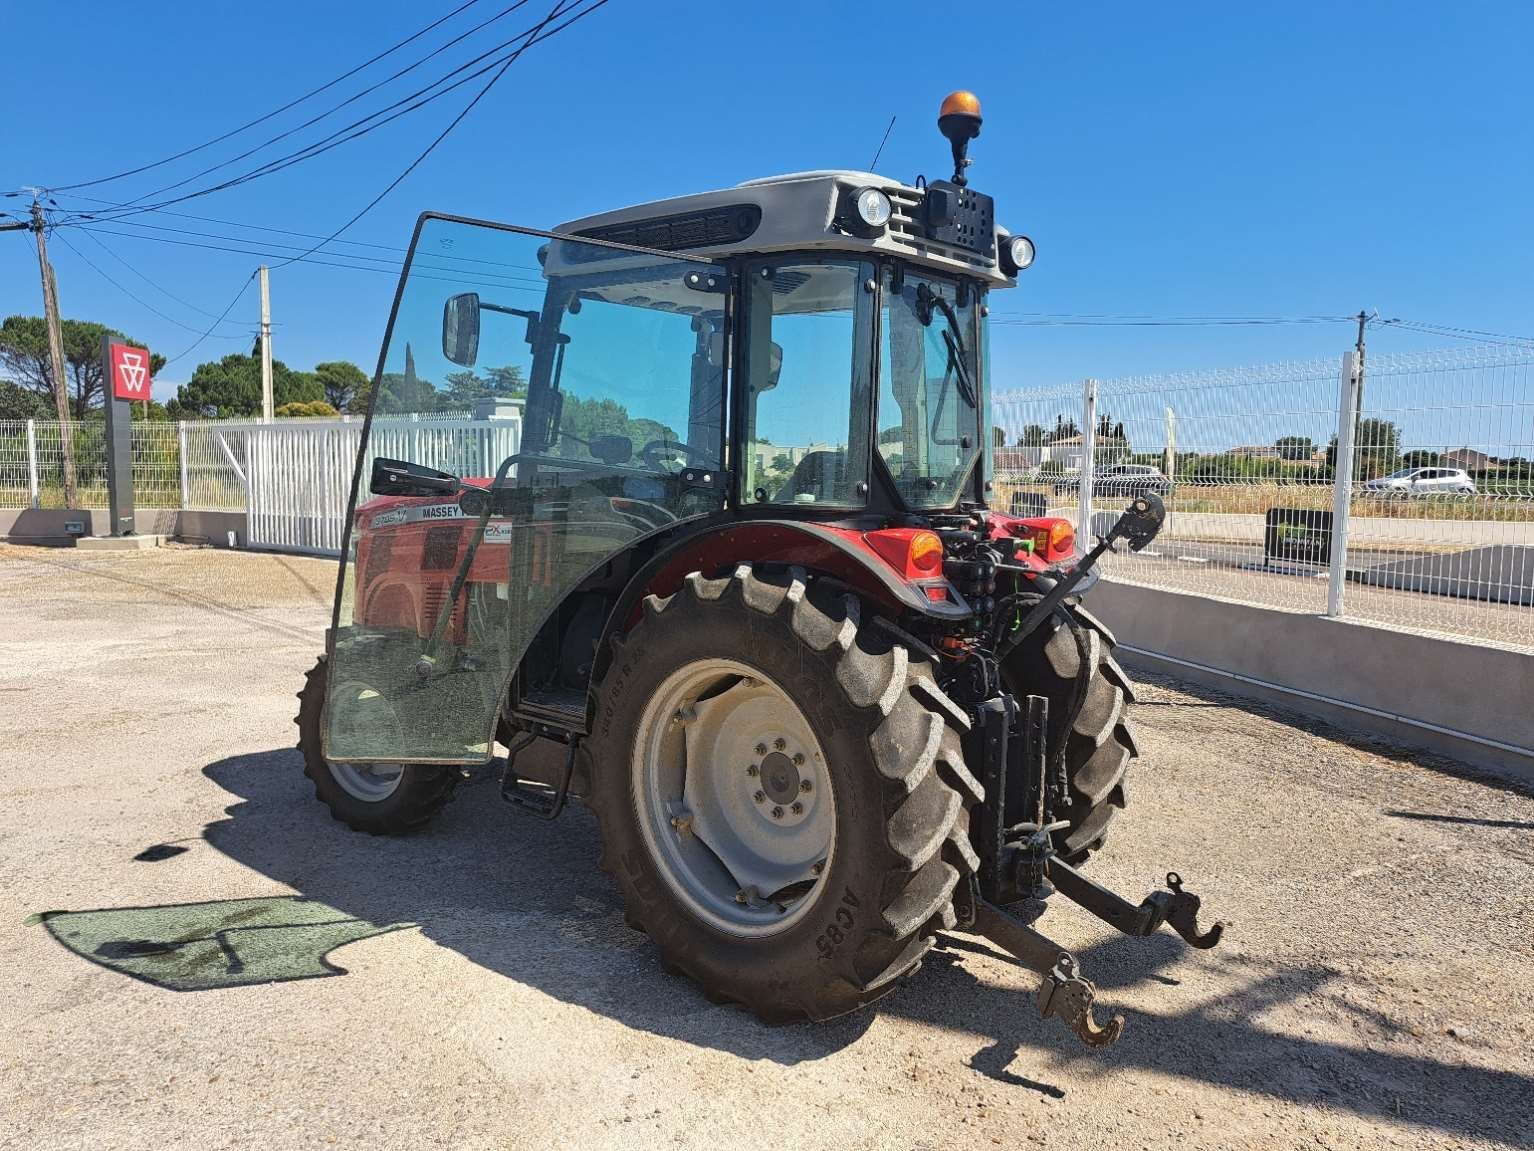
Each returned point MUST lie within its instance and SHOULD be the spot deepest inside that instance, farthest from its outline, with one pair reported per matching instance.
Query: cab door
(542, 403)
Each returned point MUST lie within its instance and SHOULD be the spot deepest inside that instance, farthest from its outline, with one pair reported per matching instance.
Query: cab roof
(797, 211)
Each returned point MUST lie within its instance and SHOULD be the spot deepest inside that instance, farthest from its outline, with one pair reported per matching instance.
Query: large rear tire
(735, 665)
(380, 799)
(1069, 660)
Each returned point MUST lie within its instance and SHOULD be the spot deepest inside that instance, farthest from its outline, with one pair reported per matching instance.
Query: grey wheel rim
(360, 708)
(734, 797)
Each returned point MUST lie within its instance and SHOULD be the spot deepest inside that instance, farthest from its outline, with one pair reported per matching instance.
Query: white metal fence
(1403, 494)
(291, 477)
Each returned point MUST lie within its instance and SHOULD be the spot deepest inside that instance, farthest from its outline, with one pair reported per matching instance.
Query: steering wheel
(651, 454)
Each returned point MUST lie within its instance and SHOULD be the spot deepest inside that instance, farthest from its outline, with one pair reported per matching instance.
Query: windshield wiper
(953, 339)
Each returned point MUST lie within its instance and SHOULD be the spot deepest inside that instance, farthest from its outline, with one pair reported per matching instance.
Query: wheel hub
(734, 796)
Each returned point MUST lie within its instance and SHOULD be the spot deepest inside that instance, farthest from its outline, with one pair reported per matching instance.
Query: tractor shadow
(517, 895)
(525, 899)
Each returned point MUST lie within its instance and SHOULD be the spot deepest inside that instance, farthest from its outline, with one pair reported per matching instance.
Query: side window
(807, 384)
(640, 387)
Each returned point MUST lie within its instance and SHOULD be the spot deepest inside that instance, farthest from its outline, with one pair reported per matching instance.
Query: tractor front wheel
(782, 795)
(378, 798)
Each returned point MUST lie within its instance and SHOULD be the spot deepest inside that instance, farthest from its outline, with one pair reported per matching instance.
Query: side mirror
(402, 478)
(460, 328)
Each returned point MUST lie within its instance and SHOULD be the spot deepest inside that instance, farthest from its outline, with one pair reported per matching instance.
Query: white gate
(299, 475)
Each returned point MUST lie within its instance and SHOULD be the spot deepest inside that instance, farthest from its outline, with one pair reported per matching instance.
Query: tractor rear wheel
(378, 798)
(1069, 660)
(782, 795)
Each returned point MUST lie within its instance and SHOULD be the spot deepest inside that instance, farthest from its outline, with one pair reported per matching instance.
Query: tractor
(686, 506)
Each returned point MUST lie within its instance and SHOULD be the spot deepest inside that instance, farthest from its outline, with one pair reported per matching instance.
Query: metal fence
(292, 477)
(1402, 494)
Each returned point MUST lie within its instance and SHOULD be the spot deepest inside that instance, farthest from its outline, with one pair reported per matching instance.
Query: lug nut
(797, 808)
(806, 786)
(761, 749)
(819, 867)
(798, 759)
(777, 813)
(751, 769)
(780, 743)
(760, 797)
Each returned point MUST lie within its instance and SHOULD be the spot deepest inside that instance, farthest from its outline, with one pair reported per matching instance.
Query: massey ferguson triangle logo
(130, 372)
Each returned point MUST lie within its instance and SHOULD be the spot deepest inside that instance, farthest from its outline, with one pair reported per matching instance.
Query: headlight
(1016, 254)
(870, 212)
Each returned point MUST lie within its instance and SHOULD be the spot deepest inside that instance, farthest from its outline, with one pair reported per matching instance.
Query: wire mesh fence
(1433, 509)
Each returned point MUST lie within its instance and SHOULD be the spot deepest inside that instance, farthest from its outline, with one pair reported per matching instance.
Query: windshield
(929, 388)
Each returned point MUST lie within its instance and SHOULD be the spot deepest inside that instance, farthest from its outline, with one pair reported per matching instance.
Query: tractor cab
(553, 406)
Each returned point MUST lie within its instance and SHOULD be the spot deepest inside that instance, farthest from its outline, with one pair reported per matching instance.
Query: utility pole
(56, 354)
(266, 346)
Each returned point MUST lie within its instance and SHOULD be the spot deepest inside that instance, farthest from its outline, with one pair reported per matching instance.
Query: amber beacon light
(959, 119)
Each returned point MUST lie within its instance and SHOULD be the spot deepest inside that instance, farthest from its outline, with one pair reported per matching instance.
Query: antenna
(875, 162)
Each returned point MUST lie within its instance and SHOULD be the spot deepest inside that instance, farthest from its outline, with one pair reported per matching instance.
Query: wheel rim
(360, 710)
(734, 797)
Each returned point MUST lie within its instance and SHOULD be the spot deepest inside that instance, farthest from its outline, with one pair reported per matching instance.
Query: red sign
(130, 372)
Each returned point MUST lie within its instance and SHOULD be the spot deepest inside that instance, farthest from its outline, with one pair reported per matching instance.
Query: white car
(1423, 482)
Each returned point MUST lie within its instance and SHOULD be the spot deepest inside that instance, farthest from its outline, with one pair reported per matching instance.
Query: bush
(305, 409)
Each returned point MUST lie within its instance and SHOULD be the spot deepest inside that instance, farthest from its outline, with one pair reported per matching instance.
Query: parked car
(1422, 482)
(1119, 480)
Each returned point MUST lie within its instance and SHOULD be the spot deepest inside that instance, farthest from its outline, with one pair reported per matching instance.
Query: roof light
(1016, 254)
(865, 212)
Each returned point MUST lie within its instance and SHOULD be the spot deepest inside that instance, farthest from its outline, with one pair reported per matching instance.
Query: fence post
(1088, 449)
(32, 484)
(186, 491)
(1342, 480)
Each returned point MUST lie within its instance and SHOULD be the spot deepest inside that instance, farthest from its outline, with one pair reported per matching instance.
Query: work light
(1016, 254)
(866, 212)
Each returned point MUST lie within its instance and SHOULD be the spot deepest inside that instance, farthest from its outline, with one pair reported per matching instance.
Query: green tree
(24, 359)
(1376, 448)
(998, 437)
(345, 385)
(1295, 447)
(19, 403)
(1064, 429)
(231, 387)
(1421, 459)
(1032, 437)
(465, 387)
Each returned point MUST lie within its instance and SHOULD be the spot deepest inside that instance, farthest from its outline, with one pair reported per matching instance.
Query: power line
(489, 279)
(137, 298)
(1471, 335)
(275, 112)
(351, 100)
(205, 335)
(1045, 321)
(558, 9)
(163, 291)
(340, 136)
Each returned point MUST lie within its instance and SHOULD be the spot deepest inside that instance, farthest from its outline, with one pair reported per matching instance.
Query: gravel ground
(482, 991)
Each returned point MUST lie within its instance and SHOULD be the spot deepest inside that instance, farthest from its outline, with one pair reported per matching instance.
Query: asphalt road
(192, 954)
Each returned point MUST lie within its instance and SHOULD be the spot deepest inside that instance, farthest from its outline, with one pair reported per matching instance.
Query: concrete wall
(47, 525)
(1468, 701)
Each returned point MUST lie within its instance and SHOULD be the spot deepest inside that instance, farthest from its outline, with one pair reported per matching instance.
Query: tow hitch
(1018, 862)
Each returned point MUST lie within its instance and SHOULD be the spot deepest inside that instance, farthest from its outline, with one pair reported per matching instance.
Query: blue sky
(1182, 159)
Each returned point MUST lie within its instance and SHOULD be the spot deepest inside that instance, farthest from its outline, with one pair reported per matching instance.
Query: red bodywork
(405, 566)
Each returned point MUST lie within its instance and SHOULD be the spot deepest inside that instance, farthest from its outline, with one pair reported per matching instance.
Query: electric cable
(275, 112)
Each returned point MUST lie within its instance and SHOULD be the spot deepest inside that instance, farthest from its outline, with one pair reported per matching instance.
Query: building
(1469, 459)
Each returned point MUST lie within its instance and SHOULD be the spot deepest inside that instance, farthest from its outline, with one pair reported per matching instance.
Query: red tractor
(698, 491)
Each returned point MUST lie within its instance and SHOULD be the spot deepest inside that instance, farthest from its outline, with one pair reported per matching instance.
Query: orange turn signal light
(1062, 537)
(926, 552)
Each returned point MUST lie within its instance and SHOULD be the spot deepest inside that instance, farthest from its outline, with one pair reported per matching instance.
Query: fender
(837, 552)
